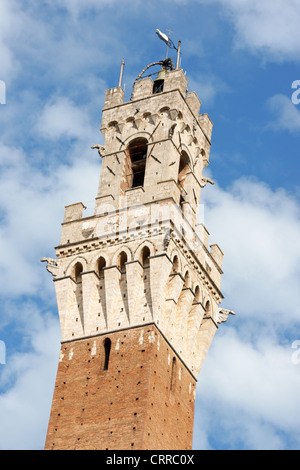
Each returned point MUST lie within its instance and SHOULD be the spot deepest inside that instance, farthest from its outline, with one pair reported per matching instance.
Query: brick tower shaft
(144, 400)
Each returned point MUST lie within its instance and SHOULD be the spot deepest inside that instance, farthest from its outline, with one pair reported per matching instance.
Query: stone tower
(137, 285)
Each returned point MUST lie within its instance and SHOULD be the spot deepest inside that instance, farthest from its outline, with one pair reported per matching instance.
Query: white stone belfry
(142, 258)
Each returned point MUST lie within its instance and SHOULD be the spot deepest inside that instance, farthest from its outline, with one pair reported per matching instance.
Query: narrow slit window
(107, 348)
(173, 375)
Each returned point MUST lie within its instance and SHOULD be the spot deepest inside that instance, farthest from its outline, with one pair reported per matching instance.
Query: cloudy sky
(57, 58)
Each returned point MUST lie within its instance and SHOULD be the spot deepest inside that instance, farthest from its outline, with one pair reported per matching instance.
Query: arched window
(197, 298)
(158, 84)
(136, 157)
(101, 263)
(187, 280)
(183, 168)
(113, 125)
(145, 256)
(207, 309)
(175, 265)
(121, 261)
(182, 173)
(107, 348)
(77, 272)
(203, 154)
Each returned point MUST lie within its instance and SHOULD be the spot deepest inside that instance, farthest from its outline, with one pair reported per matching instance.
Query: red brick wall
(128, 406)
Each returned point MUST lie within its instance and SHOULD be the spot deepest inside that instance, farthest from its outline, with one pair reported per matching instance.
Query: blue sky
(57, 58)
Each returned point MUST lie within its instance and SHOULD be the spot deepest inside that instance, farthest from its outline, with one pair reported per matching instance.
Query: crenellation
(113, 97)
(176, 80)
(142, 89)
(73, 212)
(193, 102)
(206, 125)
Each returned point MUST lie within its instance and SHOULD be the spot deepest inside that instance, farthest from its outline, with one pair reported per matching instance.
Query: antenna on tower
(178, 55)
(169, 41)
(121, 73)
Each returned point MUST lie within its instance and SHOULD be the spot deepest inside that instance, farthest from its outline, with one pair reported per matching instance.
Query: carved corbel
(138, 122)
(181, 126)
(190, 139)
(121, 127)
(173, 114)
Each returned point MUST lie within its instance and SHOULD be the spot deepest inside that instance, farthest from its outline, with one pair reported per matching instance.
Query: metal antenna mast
(121, 73)
(168, 43)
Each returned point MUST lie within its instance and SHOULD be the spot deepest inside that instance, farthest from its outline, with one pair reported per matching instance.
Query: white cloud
(9, 64)
(32, 198)
(268, 26)
(249, 381)
(76, 6)
(207, 87)
(30, 376)
(61, 118)
(32, 206)
(258, 229)
(253, 388)
(63, 50)
(287, 114)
